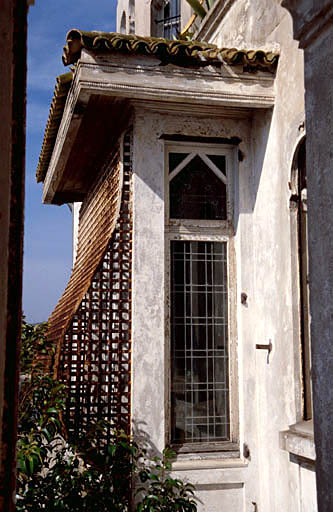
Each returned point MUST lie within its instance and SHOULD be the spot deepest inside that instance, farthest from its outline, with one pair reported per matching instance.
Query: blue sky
(48, 228)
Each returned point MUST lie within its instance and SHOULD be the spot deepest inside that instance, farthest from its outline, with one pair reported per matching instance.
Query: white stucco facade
(273, 468)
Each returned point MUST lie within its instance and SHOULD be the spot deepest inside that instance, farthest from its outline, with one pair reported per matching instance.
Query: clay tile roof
(56, 110)
(180, 51)
(183, 53)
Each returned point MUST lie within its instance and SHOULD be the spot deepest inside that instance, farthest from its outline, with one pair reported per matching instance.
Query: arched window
(299, 185)
(123, 23)
(131, 16)
(165, 17)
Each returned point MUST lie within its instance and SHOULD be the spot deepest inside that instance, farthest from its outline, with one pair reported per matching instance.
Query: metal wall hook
(268, 347)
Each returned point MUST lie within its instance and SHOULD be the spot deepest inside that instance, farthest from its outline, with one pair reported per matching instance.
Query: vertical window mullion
(207, 341)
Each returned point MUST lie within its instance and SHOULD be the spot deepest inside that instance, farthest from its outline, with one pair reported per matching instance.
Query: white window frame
(214, 231)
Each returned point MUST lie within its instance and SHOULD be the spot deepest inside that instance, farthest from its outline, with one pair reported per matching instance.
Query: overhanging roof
(114, 71)
(56, 111)
(174, 51)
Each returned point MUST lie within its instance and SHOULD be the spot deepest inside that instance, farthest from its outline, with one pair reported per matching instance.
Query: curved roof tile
(183, 53)
(56, 110)
(176, 51)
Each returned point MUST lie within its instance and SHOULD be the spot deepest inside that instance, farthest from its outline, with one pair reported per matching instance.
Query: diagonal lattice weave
(95, 357)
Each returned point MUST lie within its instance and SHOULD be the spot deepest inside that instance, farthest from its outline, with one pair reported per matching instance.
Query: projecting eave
(107, 85)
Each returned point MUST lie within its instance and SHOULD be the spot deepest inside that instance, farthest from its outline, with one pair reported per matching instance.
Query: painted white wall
(269, 394)
(220, 482)
(260, 25)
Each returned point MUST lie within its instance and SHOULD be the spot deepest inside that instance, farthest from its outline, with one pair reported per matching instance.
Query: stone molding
(138, 80)
(299, 440)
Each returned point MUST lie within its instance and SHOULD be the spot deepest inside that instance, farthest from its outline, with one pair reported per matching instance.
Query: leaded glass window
(199, 339)
(197, 186)
(199, 203)
(196, 190)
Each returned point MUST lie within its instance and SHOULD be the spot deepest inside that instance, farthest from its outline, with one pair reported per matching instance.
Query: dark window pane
(219, 161)
(171, 21)
(199, 312)
(197, 193)
(175, 159)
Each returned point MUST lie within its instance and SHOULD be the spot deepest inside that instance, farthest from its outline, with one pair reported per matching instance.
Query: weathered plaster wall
(269, 394)
(266, 24)
(225, 484)
(266, 392)
(263, 263)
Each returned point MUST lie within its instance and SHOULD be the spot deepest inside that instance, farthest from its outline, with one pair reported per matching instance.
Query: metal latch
(268, 347)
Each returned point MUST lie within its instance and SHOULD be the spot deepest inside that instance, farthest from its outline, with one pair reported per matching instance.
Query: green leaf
(112, 449)
(52, 410)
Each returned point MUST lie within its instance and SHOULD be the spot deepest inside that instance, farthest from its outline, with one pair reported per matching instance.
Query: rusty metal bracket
(268, 347)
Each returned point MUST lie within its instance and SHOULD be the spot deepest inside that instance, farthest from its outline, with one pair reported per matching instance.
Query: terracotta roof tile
(191, 52)
(56, 110)
(183, 53)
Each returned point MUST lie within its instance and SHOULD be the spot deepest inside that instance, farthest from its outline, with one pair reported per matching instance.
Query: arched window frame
(298, 204)
(163, 24)
(123, 23)
(131, 16)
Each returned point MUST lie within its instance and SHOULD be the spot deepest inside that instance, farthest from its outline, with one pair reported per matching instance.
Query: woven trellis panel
(95, 356)
(98, 216)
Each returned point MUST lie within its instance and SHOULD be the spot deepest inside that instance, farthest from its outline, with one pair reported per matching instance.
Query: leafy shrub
(164, 493)
(55, 475)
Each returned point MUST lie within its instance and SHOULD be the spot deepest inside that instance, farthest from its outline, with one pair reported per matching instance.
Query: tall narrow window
(166, 19)
(199, 334)
(131, 16)
(303, 279)
(123, 23)
(199, 218)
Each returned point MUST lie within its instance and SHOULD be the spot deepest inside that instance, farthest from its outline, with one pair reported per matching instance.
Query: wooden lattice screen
(95, 356)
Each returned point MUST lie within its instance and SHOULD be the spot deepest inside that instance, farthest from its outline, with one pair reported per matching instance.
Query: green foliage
(68, 482)
(41, 401)
(164, 493)
(55, 475)
(34, 343)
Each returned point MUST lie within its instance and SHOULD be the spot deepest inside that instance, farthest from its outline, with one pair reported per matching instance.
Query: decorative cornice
(183, 53)
(56, 111)
(150, 92)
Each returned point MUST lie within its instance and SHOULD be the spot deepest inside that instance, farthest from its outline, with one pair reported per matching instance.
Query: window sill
(223, 448)
(199, 462)
(222, 457)
(299, 441)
